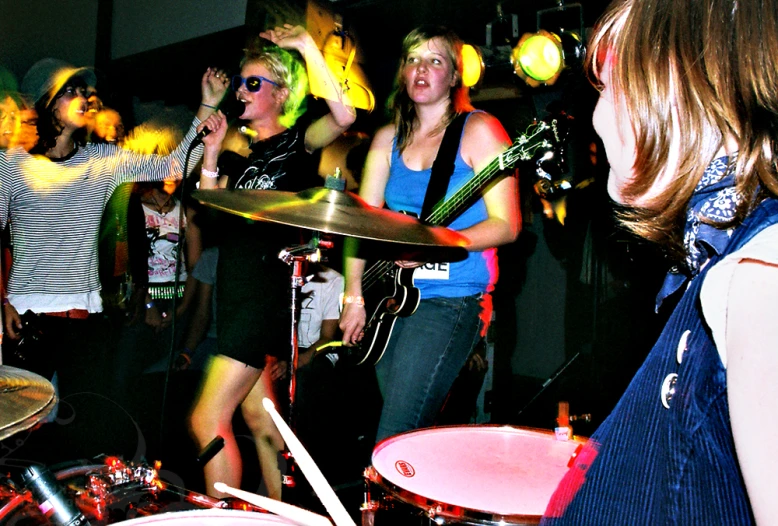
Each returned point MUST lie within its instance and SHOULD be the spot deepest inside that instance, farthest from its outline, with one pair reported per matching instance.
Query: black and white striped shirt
(55, 210)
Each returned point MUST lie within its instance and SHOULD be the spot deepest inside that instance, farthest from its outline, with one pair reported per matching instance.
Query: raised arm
(131, 166)
(342, 115)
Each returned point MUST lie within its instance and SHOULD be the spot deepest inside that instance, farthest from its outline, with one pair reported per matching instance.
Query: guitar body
(402, 302)
(540, 139)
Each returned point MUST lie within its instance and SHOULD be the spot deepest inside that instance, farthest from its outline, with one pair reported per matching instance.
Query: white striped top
(55, 210)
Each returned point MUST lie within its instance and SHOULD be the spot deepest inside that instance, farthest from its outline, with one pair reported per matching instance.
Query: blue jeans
(424, 357)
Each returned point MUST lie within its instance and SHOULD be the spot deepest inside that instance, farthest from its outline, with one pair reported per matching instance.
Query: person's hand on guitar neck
(353, 319)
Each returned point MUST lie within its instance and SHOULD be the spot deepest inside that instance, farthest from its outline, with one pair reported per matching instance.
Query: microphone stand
(549, 381)
(296, 256)
(176, 285)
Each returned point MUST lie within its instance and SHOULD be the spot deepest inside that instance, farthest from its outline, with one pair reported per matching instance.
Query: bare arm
(342, 115)
(484, 140)
(752, 367)
(376, 175)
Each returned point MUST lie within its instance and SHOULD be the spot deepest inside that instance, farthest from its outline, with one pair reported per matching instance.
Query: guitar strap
(443, 166)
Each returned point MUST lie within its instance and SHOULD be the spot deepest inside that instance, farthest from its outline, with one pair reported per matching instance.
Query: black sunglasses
(253, 84)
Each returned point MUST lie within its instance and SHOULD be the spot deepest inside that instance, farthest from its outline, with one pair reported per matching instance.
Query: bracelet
(209, 173)
(357, 300)
(207, 105)
(5, 301)
(150, 304)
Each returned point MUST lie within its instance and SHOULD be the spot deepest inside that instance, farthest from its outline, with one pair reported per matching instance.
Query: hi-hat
(330, 211)
(25, 399)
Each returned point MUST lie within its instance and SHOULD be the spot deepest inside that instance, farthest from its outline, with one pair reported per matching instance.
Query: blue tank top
(405, 191)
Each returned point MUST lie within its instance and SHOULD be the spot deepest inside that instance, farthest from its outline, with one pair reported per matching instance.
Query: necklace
(161, 207)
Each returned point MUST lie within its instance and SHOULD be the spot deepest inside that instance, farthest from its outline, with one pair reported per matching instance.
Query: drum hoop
(445, 510)
(537, 430)
(434, 509)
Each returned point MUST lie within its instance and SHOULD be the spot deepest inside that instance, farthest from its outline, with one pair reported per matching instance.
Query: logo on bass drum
(404, 468)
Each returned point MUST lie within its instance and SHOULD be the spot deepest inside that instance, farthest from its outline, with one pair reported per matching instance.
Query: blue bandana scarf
(714, 200)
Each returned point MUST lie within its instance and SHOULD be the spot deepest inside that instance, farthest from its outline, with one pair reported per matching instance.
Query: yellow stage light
(539, 58)
(472, 65)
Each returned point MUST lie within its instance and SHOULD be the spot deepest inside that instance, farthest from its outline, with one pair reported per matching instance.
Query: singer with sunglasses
(252, 303)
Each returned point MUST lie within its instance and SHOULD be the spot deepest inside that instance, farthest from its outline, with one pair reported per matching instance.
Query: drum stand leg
(295, 257)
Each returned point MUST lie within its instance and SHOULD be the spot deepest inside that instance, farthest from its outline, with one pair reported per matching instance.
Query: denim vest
(666, 454)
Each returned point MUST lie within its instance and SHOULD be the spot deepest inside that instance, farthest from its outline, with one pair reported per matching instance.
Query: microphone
(51, 498)
(231, 107)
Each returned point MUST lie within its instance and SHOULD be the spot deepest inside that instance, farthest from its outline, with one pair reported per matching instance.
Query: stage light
(539, 58)
(472, 65)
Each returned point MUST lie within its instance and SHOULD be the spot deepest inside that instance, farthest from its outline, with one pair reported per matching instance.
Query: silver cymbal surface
(25, 399)
(330, 211)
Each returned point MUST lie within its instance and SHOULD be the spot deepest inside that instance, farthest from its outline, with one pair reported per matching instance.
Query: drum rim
(218, 512)
(434, 508)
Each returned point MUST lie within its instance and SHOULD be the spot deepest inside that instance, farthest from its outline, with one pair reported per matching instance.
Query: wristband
(150, 304)
(209, 173)
(357, 300)
(207, 105)
(6, 302)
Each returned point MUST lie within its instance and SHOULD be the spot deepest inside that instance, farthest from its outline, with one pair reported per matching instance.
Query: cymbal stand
(296, 256)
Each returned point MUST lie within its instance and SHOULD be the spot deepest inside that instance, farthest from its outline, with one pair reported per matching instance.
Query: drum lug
(433, 512)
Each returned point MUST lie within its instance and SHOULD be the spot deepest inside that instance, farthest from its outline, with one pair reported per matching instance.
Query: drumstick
(282, 509)
(309, 468)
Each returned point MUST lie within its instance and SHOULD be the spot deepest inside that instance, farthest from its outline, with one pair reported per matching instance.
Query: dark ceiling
(377, 25)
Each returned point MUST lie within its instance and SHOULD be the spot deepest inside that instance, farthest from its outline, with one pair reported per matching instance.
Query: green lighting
(540, 57)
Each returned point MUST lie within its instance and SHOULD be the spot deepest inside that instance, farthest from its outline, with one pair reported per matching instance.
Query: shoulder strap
(443, 166)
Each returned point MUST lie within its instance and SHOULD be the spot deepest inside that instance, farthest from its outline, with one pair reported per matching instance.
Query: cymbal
(330, 211)
(25, 399)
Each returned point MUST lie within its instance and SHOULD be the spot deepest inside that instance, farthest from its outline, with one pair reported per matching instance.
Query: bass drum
(474, 475)
(108, 493)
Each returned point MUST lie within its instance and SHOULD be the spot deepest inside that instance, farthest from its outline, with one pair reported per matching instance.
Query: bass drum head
(490, 470)
(213, 517)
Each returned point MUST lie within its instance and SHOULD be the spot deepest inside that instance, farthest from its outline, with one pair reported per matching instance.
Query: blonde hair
(288, 72)
(709, 64)
(401, 105)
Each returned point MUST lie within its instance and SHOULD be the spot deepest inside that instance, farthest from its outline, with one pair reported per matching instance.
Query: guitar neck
(443, 213)
(525, 147)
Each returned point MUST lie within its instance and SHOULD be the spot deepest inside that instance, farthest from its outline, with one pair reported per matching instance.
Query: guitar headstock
(543, 143)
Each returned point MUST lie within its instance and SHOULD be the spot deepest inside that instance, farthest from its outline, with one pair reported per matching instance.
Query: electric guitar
(540, 142)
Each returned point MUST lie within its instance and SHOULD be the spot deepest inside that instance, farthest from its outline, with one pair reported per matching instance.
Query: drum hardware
(210, 451)
(104, 494)
(549, 381)
(25, 399)
(564, 429)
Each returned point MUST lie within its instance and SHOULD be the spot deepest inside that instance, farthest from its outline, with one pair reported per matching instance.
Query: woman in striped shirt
(53, 198)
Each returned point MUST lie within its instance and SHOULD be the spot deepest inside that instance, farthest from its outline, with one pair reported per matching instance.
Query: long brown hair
(401, 105)
(707, 68)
